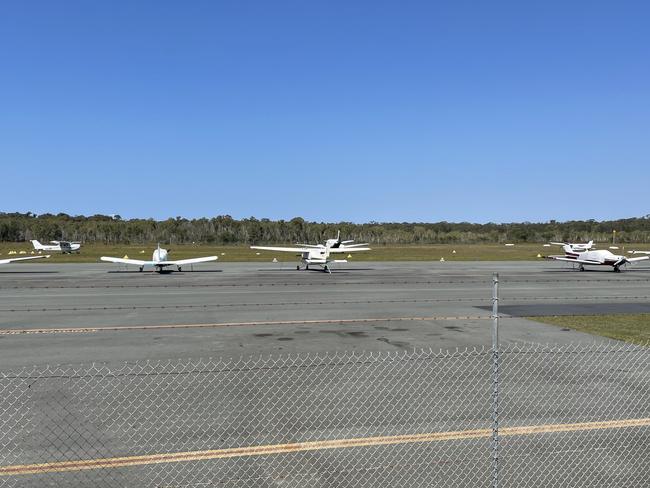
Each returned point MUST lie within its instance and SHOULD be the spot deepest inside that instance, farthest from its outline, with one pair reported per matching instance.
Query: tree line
(223, 229)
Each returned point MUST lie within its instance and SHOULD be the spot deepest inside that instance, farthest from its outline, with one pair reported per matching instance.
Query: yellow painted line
(272, 449)
(78, 330)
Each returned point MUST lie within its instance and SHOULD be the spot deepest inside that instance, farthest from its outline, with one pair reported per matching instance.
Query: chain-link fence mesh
(568, 416)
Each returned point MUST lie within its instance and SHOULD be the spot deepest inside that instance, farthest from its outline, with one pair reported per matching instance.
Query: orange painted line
(78, 330)
(273, 449)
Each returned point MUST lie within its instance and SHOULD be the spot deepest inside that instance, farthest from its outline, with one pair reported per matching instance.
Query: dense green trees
(226, 230)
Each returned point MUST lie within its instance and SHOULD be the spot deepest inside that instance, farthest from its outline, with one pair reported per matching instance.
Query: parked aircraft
(159, 260)
(600, 257)
(576, 247)
(61, 246)
(319, 254)
(12, 260)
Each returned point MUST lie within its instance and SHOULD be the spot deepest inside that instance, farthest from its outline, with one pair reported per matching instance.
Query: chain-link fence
(567, 416)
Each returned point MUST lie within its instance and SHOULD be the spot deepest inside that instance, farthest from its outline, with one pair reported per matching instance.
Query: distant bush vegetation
(16, 227)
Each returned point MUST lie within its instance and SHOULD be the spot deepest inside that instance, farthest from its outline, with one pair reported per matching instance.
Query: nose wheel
(141, 268)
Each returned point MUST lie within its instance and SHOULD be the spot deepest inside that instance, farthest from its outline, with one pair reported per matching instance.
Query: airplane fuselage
(63, 247)
(600, 257)
(159, 255)
(317, 256)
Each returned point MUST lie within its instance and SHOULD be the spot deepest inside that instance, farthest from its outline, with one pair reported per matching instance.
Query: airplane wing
(136, 262)
(349, 249)
(11, 260)
(641, 258)
(571, 260)
(283, 249)
(182, 262)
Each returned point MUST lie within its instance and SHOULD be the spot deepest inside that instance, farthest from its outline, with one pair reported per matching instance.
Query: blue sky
(338, 110)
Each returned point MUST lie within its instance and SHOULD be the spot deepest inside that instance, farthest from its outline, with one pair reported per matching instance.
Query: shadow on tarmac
(164, 271)
(334, 270)
(597, 270)
(29, 272)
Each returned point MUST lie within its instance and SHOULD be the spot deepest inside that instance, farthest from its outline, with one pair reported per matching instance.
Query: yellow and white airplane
(159, 260)
(12, 260)
(319, 254)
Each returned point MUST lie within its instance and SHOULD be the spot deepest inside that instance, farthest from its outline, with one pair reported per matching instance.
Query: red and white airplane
(586, 257)
(159, 260)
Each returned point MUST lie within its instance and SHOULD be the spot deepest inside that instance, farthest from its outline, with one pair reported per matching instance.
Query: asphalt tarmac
(578, 416)
(110, 313)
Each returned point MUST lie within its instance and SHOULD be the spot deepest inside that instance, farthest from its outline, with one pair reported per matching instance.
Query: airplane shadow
(29, 272)
(315, 270)
(596, 270)
(165, 272)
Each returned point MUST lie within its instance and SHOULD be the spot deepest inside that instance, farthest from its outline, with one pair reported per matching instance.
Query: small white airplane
(159, 260)
(600, 257)
(12, 260)
(61, 246)
(319, 254)
(576, 247)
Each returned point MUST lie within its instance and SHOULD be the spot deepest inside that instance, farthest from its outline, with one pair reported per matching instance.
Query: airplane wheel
(141, 268)
(179, 268)
(298, 268)
(581, 268)
(306, 267)
(617, 269)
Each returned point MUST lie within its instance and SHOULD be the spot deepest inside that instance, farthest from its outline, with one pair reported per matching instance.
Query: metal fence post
(495, 380)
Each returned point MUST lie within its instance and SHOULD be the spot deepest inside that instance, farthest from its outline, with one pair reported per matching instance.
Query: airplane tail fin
(37, 245)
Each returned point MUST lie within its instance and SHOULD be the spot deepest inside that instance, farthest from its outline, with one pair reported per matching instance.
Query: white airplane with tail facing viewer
(601, 257)
(319, 254)
(159, 260)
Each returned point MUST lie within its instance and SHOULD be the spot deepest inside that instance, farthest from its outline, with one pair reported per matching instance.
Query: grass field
(634, 328)
(463, 252)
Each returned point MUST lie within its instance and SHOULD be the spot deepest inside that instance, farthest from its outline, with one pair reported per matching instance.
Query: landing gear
(298, 268)
(141, 268)
(581, 268)
(179, 268)
(306, 267)
(326, 268)
(617, 269)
